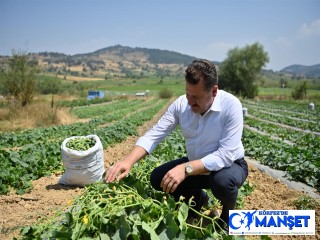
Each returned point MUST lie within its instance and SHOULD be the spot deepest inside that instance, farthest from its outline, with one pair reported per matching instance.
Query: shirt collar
(216, 105)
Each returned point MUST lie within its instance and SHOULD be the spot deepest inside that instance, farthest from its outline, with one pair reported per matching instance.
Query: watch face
(189, 169)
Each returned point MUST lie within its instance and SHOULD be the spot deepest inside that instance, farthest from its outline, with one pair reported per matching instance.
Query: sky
(288, 30)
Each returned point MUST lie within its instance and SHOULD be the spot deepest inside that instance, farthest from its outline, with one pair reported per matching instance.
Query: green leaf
(69, 219)
(27, 231)
(15, 157)
(123, 228)
(183, 214)
(77, 230)
(61, 235)
(171, 203)
(150, 230)
(141, 189)
(105, 220)
(104, 236)
(172, 228)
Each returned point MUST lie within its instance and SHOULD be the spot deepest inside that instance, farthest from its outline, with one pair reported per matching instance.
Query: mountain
(115, 61)
(153, 56)
(301, 70)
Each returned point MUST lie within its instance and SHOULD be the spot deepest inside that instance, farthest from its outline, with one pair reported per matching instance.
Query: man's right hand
(117, 171)
(122, 168)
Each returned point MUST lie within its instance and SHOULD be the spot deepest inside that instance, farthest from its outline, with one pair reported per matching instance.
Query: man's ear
(214, 90)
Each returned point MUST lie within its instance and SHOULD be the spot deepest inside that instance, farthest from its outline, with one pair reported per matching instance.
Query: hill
(119, 61)
(114, 61)
(153, 56)
(301, 70)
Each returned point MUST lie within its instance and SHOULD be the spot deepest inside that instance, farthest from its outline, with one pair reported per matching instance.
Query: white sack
(82, 167)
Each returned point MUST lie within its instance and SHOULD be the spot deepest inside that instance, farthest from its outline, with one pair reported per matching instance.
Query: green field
(118, 86)
(279, 132)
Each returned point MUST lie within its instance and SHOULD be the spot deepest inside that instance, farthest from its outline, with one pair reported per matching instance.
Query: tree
(49, 86)
(241, 70)
(19, 79)
(283, 82)
(300, 91)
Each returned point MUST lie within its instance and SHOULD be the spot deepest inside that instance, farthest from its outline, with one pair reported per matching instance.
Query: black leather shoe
(204, 200)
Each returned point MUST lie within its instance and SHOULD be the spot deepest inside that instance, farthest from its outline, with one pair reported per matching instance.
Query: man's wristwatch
(188, 168)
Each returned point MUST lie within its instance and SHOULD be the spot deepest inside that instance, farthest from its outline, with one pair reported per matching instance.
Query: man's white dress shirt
(214, 137)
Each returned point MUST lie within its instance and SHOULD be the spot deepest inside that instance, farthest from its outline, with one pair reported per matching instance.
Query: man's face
(199, 99)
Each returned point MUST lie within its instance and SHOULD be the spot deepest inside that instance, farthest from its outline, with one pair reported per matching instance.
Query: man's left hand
(173, 178)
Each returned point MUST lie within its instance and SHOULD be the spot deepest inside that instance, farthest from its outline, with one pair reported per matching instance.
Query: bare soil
(47, 196)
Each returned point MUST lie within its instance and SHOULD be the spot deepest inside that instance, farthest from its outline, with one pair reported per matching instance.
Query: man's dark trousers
(224, 183)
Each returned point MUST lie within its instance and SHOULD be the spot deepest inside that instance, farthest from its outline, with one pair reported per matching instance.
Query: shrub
(165, 93)
(300, 91)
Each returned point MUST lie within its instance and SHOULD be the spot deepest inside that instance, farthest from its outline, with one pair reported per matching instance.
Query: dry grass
(38, 114)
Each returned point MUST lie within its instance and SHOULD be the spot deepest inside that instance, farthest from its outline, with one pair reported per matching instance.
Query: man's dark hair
(202, 69)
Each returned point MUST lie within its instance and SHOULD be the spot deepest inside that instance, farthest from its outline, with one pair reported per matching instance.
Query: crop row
(31, 136)
(306, 116)
(287, 120)
(83, 102)
(293, 150)
(299, 138)
(40, 158)
(98, 110)
(289, 108)
(301, 164)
